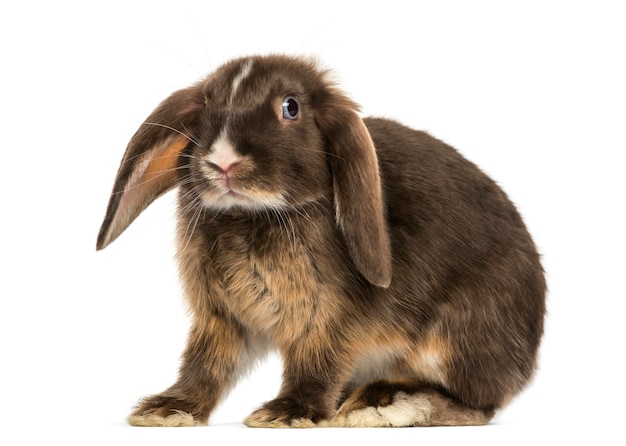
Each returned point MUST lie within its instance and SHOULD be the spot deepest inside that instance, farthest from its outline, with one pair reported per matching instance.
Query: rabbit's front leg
(216, 350)
(312, 383)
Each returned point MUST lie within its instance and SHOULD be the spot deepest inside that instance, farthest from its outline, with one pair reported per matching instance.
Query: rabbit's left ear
(149, 167)
(359, 205)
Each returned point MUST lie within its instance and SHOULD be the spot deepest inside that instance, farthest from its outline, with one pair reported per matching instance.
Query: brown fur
(393, 276)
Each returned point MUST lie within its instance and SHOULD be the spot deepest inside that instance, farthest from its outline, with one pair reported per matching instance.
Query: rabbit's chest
(270, 286)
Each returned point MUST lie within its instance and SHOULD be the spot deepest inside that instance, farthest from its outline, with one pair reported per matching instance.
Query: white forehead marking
(223, 154)
(245, 72)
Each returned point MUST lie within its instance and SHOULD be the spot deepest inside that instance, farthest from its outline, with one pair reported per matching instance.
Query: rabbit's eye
(291, 109)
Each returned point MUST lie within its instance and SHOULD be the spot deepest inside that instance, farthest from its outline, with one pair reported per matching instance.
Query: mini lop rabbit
(397, 281)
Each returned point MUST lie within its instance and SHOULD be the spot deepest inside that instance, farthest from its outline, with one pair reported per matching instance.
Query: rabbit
(396, 280)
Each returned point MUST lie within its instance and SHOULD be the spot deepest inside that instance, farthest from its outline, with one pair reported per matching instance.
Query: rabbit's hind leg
(404, 403)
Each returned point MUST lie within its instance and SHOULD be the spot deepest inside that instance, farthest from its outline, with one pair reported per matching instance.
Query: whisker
(301, 211)
(196, 209)
(156, 175)
(204, 48)
(140, 155)
(271, 212)
(190, 138)
(195, 219)
(326, 153)
(180, 56)
(286, 223)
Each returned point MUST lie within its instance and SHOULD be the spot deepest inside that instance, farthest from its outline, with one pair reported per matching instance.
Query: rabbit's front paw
(166, 411)
(284, 412)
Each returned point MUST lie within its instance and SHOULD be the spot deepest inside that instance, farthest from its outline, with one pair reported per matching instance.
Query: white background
(533, 92)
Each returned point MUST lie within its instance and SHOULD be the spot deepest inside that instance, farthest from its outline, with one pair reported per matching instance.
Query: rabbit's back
(465, 269)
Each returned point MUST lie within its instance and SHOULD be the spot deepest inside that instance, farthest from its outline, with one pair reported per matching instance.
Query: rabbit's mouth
(236, 195)
(230, 198)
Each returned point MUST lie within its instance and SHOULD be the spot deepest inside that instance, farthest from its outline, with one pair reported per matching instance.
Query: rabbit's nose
(223, 156)
(223, 169)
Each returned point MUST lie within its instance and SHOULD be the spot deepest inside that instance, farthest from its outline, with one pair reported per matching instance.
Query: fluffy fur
(397, 281)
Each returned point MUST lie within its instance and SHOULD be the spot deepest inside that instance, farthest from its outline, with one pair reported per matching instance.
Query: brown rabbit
(397, 281)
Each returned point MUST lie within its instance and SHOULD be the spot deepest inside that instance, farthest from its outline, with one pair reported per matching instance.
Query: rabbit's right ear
(149, 167)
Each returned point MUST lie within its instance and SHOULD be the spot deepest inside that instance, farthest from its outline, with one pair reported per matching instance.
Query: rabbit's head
(260, 133)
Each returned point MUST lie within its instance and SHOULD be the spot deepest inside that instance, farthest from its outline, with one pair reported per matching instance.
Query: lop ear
(359, 206)
(149, 167)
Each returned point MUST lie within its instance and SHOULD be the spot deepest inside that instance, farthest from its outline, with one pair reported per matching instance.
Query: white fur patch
(264, 419)
(223, 153)
(251, 202)
(246, 68)
(406, 410)
(178, 419)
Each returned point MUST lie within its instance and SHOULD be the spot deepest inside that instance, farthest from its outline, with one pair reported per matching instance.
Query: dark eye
(291, 109)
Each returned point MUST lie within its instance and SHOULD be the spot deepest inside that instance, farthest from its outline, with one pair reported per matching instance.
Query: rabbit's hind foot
(404, 404)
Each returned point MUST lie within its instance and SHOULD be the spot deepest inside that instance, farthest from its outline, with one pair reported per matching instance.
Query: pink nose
(222, 168)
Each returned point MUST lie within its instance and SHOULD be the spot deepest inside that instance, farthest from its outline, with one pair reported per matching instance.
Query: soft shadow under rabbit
(397, 281)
